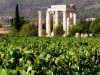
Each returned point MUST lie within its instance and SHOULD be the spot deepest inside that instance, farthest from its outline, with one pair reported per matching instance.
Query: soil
(4, 30)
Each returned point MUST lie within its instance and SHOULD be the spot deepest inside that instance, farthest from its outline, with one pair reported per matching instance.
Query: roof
(6, 16)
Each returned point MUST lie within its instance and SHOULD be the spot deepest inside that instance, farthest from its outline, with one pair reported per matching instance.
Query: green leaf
(3, 72)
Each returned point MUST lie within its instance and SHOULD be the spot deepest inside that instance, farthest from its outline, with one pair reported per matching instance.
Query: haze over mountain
(29, 8)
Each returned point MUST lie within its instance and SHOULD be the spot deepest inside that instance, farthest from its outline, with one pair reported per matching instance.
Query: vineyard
(49, 56)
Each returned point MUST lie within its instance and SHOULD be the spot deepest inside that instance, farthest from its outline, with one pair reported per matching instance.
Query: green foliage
(49, 56)
(44, 32)
(21, 21)
(0, 25)
(81, 27)
(21, 32)
(86, 26)
(3, 72)
(28, 30)
(58, 31)
(17, 23)
(95, 26)
(76, 28)
(15, 32)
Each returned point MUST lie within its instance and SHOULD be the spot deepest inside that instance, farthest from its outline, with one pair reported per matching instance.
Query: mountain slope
(29, 8)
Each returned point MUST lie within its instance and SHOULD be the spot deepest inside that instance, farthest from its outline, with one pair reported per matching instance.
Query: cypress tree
(17, 23)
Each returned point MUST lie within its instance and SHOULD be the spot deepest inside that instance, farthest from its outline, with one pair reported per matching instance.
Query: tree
(17, 20)
(87, 26)
(80, 27)
(58, 31)
(28, 30)
(95, 26)
(0, 25)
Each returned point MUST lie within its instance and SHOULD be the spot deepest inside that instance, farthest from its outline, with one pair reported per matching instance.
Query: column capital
(39, 11)
(48, 11)
(64, 11)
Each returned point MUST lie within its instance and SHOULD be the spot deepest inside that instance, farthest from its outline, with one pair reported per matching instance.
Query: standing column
(68, 25)
(71, 18)
(48, 28)
(53, 20)
(65, 22)
(56, 18)
(71, 15)
(74, 18)
(52, 34)
(40, 23)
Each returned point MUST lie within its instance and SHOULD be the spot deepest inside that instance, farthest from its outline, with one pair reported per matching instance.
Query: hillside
(29, 8)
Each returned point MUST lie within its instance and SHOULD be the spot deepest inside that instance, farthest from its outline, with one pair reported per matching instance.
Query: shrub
(95, 26)
(76, 28)
(28, 30)
(22, 21)
(58, 31)
(44, 32)
(81, 27)
(0, 25)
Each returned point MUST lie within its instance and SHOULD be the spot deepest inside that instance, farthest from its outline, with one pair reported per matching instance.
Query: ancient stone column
(74, 18)
(71, 15)
(55, 22)
(71, 18)
(56, 18)
(68, 25)
(52, 34)
(40, 23)
(65, 23)
(48, 28)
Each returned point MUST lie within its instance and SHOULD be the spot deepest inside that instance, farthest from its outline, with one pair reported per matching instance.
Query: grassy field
(49, 56)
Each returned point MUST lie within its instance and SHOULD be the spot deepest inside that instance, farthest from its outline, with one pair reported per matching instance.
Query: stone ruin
(69, 19)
